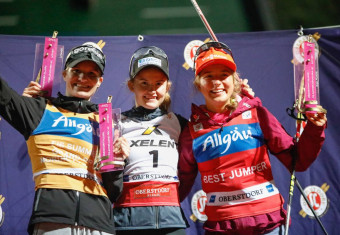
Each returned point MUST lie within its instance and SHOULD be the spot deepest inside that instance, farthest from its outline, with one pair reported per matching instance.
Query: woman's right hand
(246, 89)
(121, 147)
(33, 90)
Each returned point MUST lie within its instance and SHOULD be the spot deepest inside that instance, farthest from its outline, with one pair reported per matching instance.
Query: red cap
(213, 56)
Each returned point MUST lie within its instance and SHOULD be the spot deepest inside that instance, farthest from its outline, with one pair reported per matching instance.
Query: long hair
(165, 105)
(233, 98)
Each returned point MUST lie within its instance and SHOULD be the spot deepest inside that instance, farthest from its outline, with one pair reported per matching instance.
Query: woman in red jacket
(227, 141)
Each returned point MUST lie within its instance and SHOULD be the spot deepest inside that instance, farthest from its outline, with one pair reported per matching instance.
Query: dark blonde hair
(165, 105)
(237, 89)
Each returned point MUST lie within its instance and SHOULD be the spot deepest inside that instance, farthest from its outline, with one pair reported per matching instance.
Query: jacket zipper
(77, 211)
(37, 200)
(157, 217)
(79, 107)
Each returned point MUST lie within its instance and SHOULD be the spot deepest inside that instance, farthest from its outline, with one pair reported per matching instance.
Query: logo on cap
(213, 56)
(149, 61)
(90, 49)
(87, 51)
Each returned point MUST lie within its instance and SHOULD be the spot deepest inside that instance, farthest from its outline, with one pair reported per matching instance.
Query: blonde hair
(237, 90)
(165, 105)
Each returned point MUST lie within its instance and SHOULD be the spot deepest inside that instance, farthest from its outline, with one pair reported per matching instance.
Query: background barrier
(264, 58)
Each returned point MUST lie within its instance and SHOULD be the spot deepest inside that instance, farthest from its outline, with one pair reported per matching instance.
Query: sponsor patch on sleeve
(246, 115)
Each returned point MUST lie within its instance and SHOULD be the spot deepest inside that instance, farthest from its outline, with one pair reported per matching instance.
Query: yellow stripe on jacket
(63, 148)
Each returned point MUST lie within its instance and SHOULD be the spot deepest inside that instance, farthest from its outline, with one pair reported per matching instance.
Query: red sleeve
(283, 146)
(187, 165)
(309, 145)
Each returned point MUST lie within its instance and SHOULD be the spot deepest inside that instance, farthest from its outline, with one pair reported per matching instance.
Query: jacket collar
(74, 104)
(200, 114)
(142, 114)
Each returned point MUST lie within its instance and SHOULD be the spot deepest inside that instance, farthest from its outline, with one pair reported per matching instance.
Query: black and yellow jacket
(62, 136)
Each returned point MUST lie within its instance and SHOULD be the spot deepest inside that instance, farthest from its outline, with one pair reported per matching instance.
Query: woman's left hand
(318, 119)
(121, 147)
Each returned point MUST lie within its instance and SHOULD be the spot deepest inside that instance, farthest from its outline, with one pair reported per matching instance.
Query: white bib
(153, 148)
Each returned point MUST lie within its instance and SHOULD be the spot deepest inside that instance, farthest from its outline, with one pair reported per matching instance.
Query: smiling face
(82, 80)
(216, 83)
(150, 87)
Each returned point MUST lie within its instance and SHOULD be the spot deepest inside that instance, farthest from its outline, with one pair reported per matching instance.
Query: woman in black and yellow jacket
(63, 141)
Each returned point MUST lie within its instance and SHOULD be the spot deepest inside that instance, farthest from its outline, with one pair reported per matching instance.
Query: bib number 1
(154, 154)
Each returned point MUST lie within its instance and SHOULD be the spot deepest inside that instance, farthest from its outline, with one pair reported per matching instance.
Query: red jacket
(271, 136)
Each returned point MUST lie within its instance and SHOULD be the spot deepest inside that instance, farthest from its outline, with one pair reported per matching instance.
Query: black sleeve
(113, 183)
(22, 113)
(182, 121)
